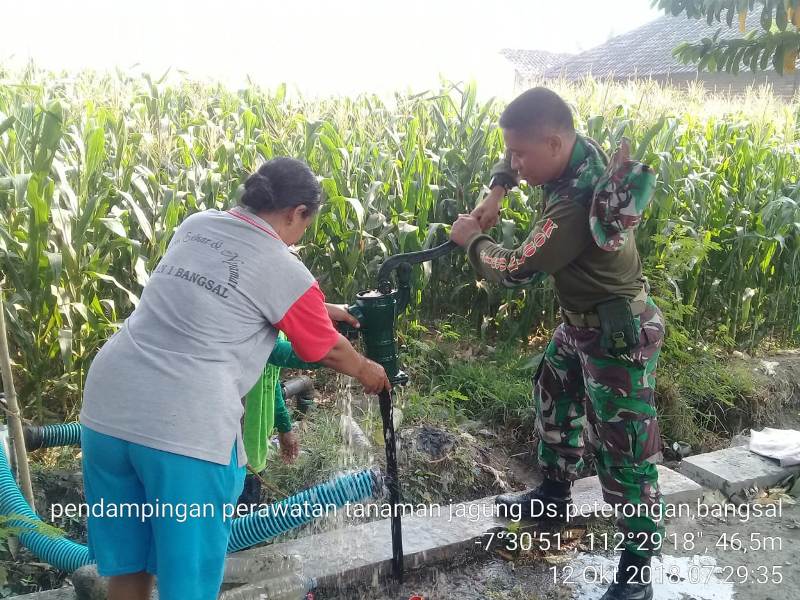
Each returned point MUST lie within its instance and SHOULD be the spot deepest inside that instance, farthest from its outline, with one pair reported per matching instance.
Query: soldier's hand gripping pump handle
(377, 311)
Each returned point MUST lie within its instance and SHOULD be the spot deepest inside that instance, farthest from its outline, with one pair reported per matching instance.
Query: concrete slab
(363, 552)
(87, 584)
(676, 489)
(734, 469)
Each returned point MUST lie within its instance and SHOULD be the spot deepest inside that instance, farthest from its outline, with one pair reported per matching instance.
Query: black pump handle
(413, 258)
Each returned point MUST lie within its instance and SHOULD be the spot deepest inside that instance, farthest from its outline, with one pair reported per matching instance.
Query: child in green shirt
(265, 410)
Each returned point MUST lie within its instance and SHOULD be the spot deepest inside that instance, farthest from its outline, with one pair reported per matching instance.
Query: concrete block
(364, 552)
(675, 488)
(734, 469)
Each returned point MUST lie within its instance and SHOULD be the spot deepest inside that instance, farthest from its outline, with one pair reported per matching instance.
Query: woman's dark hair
(280, 183)
(537, 110)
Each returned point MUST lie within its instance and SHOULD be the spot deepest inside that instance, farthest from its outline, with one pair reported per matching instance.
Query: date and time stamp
(659, 573)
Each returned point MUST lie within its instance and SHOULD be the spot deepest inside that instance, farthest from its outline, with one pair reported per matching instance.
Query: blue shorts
(155, 511)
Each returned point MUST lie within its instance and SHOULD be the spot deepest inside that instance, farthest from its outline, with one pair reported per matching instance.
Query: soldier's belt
(590, 319)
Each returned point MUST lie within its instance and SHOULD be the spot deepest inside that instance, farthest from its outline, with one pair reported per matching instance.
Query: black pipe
(34, 437)
(298, 386)
(393, 483)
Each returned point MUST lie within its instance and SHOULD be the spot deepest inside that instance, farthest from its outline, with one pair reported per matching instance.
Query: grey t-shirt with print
(173, 376)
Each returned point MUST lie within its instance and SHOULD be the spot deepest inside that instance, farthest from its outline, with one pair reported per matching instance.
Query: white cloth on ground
(780, 444)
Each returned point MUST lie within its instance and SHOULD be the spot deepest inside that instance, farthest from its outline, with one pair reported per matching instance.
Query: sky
(317, 46)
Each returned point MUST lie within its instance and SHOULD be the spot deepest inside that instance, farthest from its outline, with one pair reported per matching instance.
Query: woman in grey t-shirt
(162, 402)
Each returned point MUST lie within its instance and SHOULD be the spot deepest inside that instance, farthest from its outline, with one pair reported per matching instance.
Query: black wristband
(502, 179)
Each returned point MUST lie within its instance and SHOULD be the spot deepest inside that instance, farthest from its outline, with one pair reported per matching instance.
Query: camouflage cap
(620, 197)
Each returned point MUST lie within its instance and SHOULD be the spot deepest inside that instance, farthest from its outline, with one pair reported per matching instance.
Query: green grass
(321, 457)
(457, 376)
(495, 389)
(705, 398)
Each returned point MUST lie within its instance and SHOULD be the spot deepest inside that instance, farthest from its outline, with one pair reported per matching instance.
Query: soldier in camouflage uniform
(584, 241)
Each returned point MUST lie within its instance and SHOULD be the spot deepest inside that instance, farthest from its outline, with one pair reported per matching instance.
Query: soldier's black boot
(633, 580)
(547, 502)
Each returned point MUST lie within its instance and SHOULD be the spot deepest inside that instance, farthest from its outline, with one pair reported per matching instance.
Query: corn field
(96, 172)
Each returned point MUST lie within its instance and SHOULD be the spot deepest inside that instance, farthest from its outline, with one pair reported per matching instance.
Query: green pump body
(378, 315)
(377, 310)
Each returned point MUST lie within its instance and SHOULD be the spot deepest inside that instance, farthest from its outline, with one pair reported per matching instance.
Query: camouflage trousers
(580, 383)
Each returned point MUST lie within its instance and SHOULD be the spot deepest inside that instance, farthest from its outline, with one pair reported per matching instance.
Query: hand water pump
(377, 311)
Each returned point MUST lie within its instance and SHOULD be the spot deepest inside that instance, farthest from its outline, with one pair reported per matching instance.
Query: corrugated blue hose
(246, 531)
(60, 552)
(50, 436)
(302, 508)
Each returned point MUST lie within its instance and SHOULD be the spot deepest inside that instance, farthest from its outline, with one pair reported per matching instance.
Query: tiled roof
(533, 62)
(648, 49)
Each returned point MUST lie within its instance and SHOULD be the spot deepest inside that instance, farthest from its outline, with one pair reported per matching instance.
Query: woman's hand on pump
(339, 314)
(344, 359)
(373, 377)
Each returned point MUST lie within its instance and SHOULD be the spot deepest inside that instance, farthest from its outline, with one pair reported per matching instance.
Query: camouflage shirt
(562, 244)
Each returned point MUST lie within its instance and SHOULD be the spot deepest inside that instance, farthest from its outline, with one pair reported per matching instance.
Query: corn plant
(96, 171)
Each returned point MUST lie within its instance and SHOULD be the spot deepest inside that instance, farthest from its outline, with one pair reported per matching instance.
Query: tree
(774, 46)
